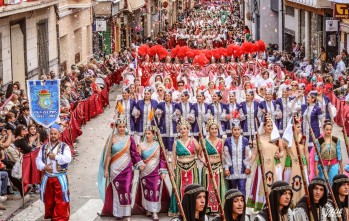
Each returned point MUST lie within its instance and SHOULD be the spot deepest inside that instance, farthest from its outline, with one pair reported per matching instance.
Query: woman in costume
(146, 71)
(185, 107)
(128, 106)
(311, 117)
(199, 111)
(145, 108)
(184, 163)
(233, 110)
(209, 92)
(283, 105)
(330, 149)
(325, 103)
(167, 117)
(151, 178)
(237, 156)
(176, 69)
(234, 207)
(248, 115)
(215, 151)
(116, 171)
(219, 112)
(271, 154)
(292, 171)
(268, 105)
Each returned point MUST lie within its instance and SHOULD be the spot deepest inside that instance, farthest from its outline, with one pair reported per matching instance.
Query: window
(290, 11)
(43, 47)
(274, 5)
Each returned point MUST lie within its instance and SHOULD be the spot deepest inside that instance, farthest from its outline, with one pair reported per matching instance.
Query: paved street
(85, 200)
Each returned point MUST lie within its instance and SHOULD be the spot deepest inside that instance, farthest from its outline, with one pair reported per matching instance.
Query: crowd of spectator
(19, 133)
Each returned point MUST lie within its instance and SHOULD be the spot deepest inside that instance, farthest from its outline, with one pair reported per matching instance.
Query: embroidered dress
(236, 160)
(331, 155)
(219, 112)
(116, 193)
(248, 114)
(146, 69)
(270, 108)
(256, 197)
(292, 171)
(199, 111)
(143, 119)
(185, 173)
(231, 108)
(214, 153)
(167, 122)
(150, 180)
(283, 106)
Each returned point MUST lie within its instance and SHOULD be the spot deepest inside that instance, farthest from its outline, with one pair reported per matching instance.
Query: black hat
(277, 190)
(189, 201)
(229, 199)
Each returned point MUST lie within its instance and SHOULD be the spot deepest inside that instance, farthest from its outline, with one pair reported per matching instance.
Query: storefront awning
(340, 1)
(313, 3)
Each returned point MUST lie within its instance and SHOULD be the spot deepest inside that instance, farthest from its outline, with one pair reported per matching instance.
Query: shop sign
(115, 8)
(341, 11)
(101, 25)
(331, 25)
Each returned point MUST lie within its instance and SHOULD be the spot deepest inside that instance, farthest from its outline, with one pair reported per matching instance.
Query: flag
(119, 108)
(151, 115)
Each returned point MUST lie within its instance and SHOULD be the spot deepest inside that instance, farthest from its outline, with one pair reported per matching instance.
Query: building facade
(28, 40)
(306, 24)
(74, 24)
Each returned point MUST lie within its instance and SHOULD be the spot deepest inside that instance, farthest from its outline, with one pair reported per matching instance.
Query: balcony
(19, 6)
(67, 7)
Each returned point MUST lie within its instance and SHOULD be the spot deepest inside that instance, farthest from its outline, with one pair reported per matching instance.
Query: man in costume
(236, 160)
(340, 188)
(234, 207)
(280, 199)
(194, 203)
(318, 203)
(53, 158)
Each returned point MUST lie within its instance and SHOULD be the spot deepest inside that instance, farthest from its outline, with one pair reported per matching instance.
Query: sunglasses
(160, 90)
(180, 85)
(294, 85)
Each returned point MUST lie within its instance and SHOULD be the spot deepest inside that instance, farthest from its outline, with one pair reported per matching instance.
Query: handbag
(17, 168)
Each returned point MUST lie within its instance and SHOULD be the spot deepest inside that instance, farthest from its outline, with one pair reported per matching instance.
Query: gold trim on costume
(342, 180)
(199, 189)
(235, 194)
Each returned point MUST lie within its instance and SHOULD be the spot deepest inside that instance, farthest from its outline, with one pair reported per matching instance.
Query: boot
(148, 213)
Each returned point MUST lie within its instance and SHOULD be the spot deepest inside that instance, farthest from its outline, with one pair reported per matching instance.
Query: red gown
(146, 70)
(175, 73)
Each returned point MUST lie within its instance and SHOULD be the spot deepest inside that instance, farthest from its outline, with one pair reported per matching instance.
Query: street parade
(205, 121)
(208, 111)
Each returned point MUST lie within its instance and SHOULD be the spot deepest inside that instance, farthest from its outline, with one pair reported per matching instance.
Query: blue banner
(44, 101)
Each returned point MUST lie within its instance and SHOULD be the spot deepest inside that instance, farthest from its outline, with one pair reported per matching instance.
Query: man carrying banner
(53, 159)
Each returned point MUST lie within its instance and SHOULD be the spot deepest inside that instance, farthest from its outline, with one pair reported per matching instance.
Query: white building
(28, 40)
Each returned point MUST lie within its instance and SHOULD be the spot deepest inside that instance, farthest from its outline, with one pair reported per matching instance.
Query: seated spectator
(24, 118)
(32, 132)
(23, 141)
(10, 120)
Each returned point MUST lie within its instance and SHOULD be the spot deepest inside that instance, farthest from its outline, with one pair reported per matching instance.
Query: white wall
(32, 59)
(269, 30)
